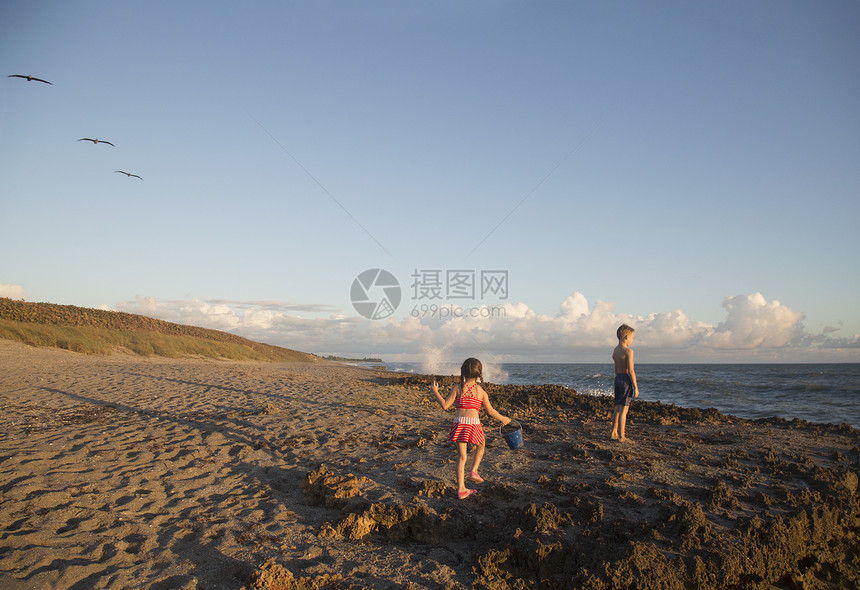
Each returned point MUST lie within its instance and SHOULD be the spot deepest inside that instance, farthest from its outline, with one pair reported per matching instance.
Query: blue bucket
(514, 438)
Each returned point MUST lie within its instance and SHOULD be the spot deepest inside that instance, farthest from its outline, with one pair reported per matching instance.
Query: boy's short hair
(623, 331)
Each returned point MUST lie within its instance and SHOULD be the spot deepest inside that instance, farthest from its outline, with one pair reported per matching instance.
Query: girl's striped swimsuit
(467, 429)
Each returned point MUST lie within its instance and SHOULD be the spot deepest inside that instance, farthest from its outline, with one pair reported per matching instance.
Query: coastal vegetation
(97, 331)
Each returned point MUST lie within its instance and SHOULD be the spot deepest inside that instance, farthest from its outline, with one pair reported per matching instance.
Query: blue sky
(689, 168)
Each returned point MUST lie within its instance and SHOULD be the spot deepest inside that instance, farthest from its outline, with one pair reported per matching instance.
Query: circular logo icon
(375, 294)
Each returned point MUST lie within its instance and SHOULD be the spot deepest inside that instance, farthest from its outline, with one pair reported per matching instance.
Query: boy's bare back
(622, 356)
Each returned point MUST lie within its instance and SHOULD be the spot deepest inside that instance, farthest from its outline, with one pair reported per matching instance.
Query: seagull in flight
(129, 174)
(28, 78)
(96, 140)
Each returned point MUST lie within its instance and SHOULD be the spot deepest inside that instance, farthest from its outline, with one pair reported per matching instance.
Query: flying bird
(96, 140)
(129, 174)
(28, 78)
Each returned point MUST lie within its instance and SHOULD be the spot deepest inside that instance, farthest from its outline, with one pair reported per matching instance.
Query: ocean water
(825, 393)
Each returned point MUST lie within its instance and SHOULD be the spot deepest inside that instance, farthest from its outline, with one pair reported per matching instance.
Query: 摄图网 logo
(375, 293)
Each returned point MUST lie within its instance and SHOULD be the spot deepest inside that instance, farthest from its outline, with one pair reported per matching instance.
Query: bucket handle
(513, 423)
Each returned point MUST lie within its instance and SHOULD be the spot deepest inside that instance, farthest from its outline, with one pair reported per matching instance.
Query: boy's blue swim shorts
(623, 389)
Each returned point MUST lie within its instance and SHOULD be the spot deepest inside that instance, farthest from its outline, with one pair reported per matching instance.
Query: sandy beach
(128, 472)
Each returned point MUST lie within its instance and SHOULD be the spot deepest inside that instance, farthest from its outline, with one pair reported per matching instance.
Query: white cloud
(672, 330)
(574, 306)
(12, 291)
(753, 326)
(752, 322)
(218, 316)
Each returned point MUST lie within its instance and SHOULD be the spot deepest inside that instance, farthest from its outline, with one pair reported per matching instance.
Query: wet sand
(126, 472)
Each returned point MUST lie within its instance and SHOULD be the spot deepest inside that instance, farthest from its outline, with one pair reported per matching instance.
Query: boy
(625, 381)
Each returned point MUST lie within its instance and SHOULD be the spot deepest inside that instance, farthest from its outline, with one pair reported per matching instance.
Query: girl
(467, 426)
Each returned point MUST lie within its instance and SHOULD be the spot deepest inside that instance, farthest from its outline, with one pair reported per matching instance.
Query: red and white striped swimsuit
(467, 429)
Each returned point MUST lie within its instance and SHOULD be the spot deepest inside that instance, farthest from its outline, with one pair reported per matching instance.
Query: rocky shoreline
(704, 500)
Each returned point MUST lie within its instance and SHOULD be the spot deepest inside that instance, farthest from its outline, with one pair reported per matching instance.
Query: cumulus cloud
(278, 323)
(195, 312)
(511, 330)
(672, 329)
(12, 291)
(752, 322)
(574, 307)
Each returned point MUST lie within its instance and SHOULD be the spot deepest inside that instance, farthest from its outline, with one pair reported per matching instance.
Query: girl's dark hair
(471, 369)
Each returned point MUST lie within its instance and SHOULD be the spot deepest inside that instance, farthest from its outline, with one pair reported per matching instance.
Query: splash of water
(494, 373)
(435, 361)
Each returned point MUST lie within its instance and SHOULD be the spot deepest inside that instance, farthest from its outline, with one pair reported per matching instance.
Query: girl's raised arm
(445, 403)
